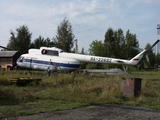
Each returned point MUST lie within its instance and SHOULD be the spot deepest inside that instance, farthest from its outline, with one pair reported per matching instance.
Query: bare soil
(97, 112)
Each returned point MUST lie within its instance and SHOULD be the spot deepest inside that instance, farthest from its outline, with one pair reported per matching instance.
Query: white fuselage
(54, 59)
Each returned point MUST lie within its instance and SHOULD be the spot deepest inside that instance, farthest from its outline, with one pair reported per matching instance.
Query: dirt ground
(97, 112)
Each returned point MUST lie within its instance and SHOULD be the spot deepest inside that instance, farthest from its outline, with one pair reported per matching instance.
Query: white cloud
(133, 3)
(90, 19)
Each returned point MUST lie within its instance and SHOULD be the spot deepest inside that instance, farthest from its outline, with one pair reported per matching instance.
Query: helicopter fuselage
(54, 59)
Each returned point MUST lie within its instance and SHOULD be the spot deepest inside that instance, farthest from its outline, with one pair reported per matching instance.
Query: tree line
(115, 44)
(118, 45)
(21, 39)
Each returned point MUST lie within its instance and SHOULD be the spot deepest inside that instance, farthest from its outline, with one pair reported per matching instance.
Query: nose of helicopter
(19, 60)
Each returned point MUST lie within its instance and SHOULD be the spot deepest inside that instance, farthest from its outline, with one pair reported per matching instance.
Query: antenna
(158, 37)
(158, 29)
(76, 49)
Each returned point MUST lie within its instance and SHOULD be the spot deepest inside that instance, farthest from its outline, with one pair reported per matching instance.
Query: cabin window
(33, 61)
(43, 51)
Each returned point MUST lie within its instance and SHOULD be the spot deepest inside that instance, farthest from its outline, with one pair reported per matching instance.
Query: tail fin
(138, 57)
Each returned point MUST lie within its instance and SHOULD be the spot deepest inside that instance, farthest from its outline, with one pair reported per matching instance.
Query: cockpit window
(61, 51)
(20, 59)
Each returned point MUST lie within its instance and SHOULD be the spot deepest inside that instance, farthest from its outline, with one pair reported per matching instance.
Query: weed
(67, 91)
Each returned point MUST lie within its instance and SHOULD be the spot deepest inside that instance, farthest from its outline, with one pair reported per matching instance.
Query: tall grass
(66, 91)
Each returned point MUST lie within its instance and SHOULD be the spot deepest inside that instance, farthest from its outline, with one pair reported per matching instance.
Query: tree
(82, 51)
(21, 40)
(96, 48)
(48, 42)
(65, 36)
(83, 64)
(151, 55)
(108, 42)
(39, 42)
(131, 41)
(114, 43)
(119, 44)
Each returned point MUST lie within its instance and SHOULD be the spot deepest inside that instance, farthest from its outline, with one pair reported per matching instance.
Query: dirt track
(99, 112)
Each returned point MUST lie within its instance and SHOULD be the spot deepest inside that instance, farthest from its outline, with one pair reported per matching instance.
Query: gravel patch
(96, 112)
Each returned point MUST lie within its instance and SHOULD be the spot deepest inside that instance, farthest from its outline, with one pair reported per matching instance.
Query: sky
(90, 19)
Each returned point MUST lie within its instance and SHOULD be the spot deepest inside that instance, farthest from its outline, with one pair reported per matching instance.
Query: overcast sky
(90, 19)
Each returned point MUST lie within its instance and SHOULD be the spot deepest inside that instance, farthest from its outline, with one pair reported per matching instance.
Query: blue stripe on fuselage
(51, 63)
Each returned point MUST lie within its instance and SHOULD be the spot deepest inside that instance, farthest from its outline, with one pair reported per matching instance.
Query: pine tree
(131, 40)
(65, 36)
(109, 42)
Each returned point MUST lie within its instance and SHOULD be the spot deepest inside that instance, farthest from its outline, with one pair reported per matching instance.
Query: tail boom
(97, 59)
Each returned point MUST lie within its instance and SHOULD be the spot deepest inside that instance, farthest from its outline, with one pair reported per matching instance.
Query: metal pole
(76, 49)
(158, 35)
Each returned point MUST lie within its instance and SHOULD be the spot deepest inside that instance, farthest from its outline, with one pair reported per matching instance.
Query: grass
(67, 91)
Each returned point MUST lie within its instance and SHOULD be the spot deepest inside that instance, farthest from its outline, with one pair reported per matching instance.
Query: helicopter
(55, 59)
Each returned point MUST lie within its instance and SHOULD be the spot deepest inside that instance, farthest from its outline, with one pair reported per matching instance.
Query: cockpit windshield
(20, 59)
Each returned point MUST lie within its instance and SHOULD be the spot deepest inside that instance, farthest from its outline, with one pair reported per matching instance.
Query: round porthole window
(43, 51)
